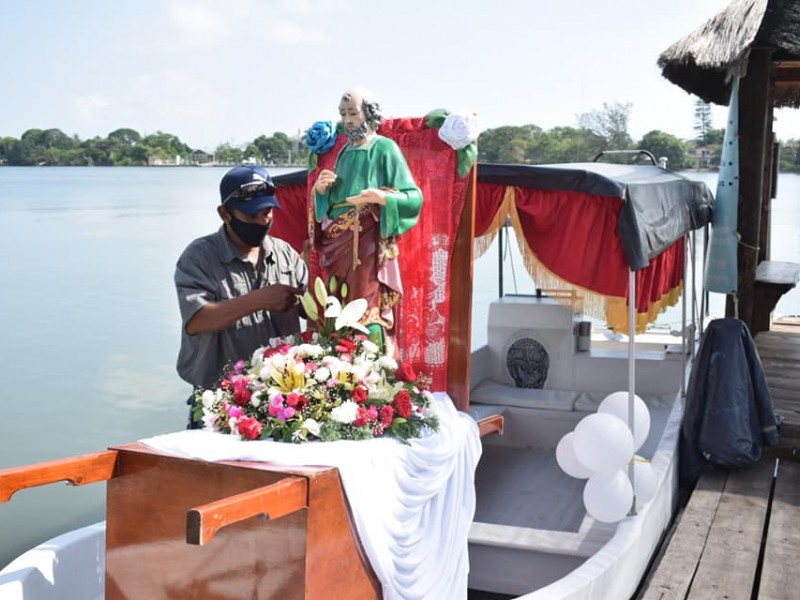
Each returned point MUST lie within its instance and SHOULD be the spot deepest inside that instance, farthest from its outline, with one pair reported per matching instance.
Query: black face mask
(251, 234)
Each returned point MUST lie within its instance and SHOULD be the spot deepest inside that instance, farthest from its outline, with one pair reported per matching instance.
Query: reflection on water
(90, 324)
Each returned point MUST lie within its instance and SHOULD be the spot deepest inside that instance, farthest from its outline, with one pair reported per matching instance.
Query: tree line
(596, 132)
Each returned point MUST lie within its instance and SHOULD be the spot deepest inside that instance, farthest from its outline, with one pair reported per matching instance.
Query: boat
(623, 230)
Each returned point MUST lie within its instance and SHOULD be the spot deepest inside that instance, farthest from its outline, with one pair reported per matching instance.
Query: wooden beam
(461, 269)
(753, 128)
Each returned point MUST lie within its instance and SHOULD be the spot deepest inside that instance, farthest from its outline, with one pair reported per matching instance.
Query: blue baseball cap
(248, 189)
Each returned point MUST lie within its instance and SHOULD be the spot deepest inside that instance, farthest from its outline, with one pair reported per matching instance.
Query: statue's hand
(324, 182)
(369, 196)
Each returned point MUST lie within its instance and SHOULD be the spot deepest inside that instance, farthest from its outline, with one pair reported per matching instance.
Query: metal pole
(631, 372)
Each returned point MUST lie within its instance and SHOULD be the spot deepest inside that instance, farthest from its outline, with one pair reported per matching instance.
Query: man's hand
(324, 182)
(369, 196)
(279, 297)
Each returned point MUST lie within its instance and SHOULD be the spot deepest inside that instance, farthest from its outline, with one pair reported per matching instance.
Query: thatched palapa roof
(703, 62)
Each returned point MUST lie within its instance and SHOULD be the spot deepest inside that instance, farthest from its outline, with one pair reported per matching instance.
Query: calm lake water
(90, 324)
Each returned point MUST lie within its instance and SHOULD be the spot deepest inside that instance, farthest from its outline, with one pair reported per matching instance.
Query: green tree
(610, 123)
(165, 146)
(571, 144)
(507, 144)
(228, 155)
(702, 120)
(666, 145)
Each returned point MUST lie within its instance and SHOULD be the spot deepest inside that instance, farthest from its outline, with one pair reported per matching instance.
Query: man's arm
(216, 316)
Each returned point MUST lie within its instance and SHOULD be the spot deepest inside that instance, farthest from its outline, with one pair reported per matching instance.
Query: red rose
(307, 336)
(359, 394)
(345, 346)
(241, 395)
(386, 415)
(292, 399)
(405, 372)
(249, 428)
(402, 404)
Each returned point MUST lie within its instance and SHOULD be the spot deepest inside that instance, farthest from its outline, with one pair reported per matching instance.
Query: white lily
(348, 316)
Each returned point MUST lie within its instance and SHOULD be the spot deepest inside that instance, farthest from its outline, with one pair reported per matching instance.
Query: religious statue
(363, 204)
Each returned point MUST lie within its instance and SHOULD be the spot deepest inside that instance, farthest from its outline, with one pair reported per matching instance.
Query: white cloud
(193, 24)
(89, 107)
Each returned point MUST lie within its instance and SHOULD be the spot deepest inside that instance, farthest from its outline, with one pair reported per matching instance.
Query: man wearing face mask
(238, 287)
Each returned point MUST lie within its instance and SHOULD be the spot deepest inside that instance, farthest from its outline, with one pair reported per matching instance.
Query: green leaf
(466, 158)
(436, 117)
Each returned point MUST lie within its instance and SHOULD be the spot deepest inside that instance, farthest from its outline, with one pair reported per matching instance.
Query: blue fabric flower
(321, 137)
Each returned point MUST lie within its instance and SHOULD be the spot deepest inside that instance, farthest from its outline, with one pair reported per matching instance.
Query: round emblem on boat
(527, 362)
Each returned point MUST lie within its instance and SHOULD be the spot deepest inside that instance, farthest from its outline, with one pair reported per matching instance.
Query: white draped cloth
(412, 505)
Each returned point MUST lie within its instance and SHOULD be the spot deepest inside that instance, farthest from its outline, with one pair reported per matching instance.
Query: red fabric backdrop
(423, 314)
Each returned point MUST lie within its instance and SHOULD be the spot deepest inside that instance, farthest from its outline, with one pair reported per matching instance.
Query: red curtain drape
(423, 314)
(573, 238)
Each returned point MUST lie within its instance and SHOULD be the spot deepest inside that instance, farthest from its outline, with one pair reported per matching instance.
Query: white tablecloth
(412, 505)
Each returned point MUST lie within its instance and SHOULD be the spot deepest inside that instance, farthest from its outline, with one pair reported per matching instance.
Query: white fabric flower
(345, 413)
(459, 130)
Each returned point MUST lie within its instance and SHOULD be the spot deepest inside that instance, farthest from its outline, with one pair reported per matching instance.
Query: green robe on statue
(368, 264)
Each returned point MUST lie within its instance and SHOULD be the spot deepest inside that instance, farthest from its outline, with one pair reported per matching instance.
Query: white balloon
(608, 497)
(616, 404)
(603, 443)
(644, 480)
(566, 459)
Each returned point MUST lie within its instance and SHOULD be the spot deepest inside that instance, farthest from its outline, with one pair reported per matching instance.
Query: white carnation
(322, 374)
(256, 399)
(208, 399)
(345, 413)
(459, 130)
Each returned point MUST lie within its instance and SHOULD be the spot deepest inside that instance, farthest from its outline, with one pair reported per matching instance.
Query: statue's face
(351, 113)
(356, 128)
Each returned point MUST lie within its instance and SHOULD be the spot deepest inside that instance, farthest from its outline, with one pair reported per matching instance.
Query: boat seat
(498, 395)
(490, 419)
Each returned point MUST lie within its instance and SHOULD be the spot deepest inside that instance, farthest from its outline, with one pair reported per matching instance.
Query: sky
(227, 71)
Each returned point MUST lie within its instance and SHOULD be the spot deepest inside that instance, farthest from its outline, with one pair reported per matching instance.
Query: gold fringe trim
(611, 309)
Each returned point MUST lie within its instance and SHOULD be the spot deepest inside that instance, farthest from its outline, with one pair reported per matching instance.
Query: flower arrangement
(328, 384)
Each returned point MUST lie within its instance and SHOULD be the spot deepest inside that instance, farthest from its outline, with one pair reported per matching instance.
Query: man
(238, 287)
(362, 205)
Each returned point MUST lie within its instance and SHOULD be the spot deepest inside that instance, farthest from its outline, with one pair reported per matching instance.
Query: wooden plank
(780, 577)
(674, 573)
(727, 568)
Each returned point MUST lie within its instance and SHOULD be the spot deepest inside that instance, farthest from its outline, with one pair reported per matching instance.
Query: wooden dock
(739, 535)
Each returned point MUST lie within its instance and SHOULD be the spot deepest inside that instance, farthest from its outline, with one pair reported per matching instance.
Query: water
(90, 324)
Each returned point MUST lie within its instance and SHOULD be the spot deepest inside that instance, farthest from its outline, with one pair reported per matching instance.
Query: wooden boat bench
(737, 538)
(773, 280)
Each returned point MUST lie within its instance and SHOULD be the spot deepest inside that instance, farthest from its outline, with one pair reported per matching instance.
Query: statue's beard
(357, 134)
